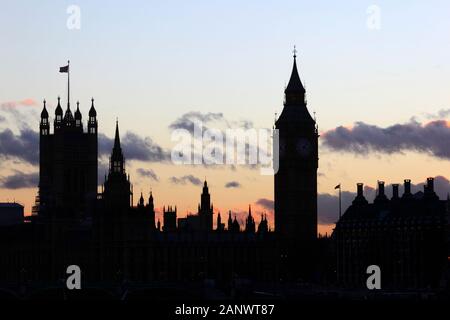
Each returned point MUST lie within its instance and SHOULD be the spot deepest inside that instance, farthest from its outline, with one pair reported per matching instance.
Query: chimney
(430, 184)
(380, 188)
(360, 187)
(395, 191)
(407, 185)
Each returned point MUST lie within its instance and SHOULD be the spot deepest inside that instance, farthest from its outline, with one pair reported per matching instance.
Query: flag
(64, 69)
(338, 186)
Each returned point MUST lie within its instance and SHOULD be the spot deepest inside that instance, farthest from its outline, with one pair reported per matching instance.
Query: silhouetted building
(296, 181)
(263, 226)
(405, 236)
(67, 164)
(11, 213)
(170, 219)
(250, 226)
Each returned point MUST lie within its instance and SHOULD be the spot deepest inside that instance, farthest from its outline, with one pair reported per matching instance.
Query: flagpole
(340, 207)
(68, 83)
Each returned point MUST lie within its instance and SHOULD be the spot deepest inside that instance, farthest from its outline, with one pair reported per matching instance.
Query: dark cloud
(362, 138)
(441, 114)
(23, 146)
(328, 204)
(186, 179)
(20, 180)
(18, 113)
(188, 120)
(134, 147)
(233, 184)
(149, 173)
(217, 123)
(441, 186)
(265, 203)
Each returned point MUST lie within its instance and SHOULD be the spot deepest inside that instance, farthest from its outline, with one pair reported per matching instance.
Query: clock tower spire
(296, 180)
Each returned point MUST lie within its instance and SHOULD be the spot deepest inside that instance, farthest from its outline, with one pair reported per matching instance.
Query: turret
(150, 202)
(44, 125)
(78, 117)
(141, 201)
(230, 221)
(58, 115)
(92, 122)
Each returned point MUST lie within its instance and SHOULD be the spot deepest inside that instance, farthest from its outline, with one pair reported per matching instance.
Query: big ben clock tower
(296, 179)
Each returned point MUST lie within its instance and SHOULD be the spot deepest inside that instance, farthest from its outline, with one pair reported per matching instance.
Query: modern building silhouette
(406, 236)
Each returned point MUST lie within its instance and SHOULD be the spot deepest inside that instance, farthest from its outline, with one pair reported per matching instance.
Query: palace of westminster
(113, 239)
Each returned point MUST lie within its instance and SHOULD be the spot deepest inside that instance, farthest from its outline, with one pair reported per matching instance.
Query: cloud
(23, 146)
(362, 138)
(20, 180)
(17, 116)
(441, 186)
(441, 114)
(149, 173)
(186, 179)
(2, 119)
(233, 184)
(265, 203)
(217, 126)
(14, 104)
(189, 119)
(328, 204)
(134, 147)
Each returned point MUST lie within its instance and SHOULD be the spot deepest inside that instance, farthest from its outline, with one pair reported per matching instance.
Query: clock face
(303, 147)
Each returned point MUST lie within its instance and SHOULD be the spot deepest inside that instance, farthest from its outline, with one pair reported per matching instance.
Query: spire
(58, 110)
(44, 113)
(92, 111)
(295, 84)
(77, 112)
(117, 159)
(141, 200)
(117, 137)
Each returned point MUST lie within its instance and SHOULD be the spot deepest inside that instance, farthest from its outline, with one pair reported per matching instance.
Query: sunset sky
(376, 73)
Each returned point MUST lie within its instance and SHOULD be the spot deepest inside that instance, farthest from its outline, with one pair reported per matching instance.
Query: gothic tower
(118, 193)
(205, 210)
(68, 165)
(296, 179)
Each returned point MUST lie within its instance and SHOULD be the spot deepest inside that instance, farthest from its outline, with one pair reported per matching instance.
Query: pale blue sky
(160, 59)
